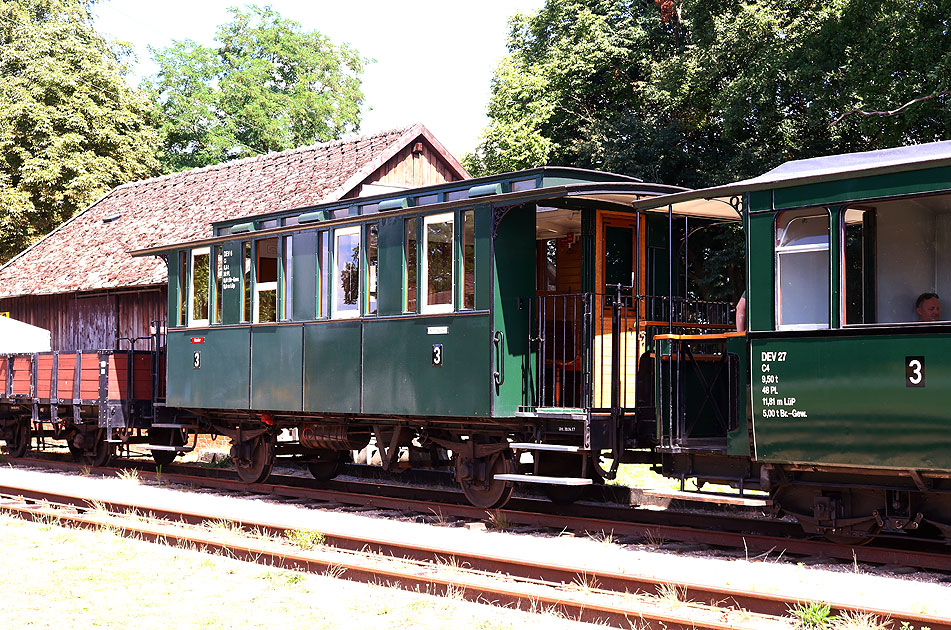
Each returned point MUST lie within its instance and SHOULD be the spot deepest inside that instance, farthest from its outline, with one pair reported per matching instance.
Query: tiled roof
(90, 251)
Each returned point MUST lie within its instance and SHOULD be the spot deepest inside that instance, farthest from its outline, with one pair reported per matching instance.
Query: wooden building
(80, 283)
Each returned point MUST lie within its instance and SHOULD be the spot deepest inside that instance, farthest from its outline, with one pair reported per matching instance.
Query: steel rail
(548, 573)
(590, 604)
(638, 524)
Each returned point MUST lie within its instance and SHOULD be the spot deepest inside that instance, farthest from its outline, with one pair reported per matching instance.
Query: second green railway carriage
(838, 399)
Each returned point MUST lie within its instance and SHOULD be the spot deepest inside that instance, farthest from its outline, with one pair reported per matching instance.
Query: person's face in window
(929, 310)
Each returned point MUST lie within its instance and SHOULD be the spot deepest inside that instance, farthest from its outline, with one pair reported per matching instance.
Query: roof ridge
(396, 131)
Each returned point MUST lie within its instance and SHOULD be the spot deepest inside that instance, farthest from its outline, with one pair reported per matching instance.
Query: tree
(70, 127)
(704, 92)
(701, 92)
(266, 86)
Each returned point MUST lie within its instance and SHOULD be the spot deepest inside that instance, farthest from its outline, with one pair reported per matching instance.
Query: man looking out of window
(928, 307)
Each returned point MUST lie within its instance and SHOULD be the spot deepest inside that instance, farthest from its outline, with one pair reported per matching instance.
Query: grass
(189, 590)
(812, 615)
(305, 538)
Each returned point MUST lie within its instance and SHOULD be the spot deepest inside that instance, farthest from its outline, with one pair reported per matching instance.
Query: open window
(437, 274)
(346, 290)
(411, 262)
(265, 281)
(198, 287)
(373, 240)
(802, 269)
(893, 252)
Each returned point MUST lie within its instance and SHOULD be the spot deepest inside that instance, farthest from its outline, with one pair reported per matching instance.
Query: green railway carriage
(838, 399)
(487, 317)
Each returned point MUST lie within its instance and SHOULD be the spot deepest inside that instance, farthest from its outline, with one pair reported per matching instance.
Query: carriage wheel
(329, 464)
(19, 442)
(166, 437)
(257, 467)
(101, 453)
(477, 478)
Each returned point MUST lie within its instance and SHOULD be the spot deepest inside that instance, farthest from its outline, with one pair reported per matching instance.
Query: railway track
(755, 536)
(577, 592)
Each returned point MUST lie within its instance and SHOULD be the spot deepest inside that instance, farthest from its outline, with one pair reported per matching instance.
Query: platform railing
(589, 349)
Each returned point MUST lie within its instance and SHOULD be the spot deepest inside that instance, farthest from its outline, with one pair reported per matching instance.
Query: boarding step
(172, 425)
(552, 481)
(539, 446)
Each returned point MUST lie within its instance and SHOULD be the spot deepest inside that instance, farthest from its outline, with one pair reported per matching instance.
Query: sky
(433, 59)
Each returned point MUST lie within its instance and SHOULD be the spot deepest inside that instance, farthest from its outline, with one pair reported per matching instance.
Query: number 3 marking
(914, 371)
(915, 366)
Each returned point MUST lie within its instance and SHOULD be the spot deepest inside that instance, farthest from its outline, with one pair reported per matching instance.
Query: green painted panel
(276, 360)
(304, 294)
(846, 400)
(738, 441)
(858, 188)
(231, 296)
(222, 381)
(390, 280)
(399, 376)
(514, 283)
(332, 367)
(483, 254)
(760, 200)
(759, 256)
(173, 297)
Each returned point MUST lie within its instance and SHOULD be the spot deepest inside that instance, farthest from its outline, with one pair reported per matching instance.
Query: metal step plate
(552, 481)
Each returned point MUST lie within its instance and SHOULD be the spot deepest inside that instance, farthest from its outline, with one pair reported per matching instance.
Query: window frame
(335, 313)
(423, 281)
(779, 250)
(192, 321)
(259, 287)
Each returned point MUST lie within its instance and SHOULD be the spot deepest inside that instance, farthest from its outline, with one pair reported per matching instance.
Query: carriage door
(619, 309)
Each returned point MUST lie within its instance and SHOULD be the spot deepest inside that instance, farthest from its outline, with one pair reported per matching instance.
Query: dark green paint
(399, 376)
(390, 269)
(276, 359)
(483, 253)
(174, 299)
(304, 294)
(738, 441)
(760, 299)
(223, 380)
(514, 284)
(859, 411)
(332, 366)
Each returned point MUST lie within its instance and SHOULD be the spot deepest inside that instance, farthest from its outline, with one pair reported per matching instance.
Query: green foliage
(699, 92)
(306, 538)
(70, 127)
(266, 86)
(719, 91)
(812, 615)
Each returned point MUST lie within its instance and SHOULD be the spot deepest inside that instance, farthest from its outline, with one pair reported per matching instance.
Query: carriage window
(324, 273)
(287, 281)
(182, 288)
(198, 295)
(437, 263)
(412, 258)
(265, 281)
(372, 260)
(246, 247)
(893, 253)
(347, 272)
(468, 260)
(802, 269)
